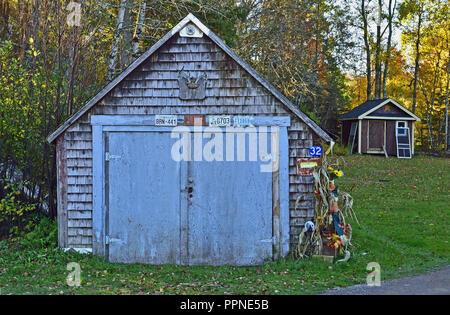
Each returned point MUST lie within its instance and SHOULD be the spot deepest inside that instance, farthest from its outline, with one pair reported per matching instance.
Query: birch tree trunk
(127, 36)
(138, 29)
(116, 40)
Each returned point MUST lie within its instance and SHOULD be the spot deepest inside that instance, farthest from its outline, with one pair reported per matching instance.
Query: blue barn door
(230, 208)
(161, 211)
(143, 185)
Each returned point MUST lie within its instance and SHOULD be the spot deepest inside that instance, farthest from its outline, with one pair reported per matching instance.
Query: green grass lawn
(404, 227)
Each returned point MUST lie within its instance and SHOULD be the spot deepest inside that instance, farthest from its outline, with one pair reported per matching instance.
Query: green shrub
(13, 210)
(44, 235)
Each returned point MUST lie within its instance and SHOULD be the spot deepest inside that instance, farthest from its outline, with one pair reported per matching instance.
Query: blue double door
(161, 210)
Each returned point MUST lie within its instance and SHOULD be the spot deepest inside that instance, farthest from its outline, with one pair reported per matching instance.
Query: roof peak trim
(388, 100)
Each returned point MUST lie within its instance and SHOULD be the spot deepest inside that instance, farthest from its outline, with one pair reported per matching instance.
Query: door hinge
(272, 240)
(109, 157)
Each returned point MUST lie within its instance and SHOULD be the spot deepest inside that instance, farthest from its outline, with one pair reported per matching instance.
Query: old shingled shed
(379, 127)
(188, 157)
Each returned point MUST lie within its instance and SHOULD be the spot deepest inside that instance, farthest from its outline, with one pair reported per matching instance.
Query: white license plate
(166, 120)
(220, 121)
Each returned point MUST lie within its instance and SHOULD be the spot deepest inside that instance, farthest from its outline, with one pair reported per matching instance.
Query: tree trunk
(416, 67)
(116, 40)
(316, 55)
(70, 74)
(4, 27)
(36, 19)
(388, 47)
(367, 48)
(377, 55)
(138, 30)
(127, 36)
(447, 131)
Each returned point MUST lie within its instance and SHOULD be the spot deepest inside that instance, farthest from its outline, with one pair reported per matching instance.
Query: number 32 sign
(315, 151)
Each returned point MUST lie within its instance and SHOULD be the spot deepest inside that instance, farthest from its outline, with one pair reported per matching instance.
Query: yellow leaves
(31, 40)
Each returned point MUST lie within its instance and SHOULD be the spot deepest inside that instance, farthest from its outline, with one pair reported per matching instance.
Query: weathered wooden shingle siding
(300, 140)
(153, 89)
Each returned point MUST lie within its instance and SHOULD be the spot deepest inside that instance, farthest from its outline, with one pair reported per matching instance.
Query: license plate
(219, 121)
(166, 120)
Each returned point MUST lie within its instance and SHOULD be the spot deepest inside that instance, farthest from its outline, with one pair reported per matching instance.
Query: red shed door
(376, 135)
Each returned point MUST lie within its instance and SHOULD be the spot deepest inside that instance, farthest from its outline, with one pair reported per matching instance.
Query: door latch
(189, 190)
(109, 157)
(272, 240)
(109, 240)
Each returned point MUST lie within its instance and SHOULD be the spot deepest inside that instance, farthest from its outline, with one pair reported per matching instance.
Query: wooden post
(276, 213)
(61, 160)
(359, 136)
(276, 195)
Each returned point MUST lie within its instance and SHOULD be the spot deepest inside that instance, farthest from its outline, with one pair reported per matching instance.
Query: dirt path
(432, 283)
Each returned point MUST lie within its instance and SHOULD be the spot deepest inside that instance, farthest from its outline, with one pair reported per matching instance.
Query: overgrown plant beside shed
(122, 193)
(379, 127)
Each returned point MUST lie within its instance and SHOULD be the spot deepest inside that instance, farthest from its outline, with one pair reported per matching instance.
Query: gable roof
(368, 107)
(361, 109)
(190, 18)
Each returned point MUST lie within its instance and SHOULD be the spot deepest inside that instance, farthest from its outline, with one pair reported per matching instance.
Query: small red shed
(379, 127)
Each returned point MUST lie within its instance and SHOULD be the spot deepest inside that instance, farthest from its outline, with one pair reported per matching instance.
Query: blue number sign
(315, 151)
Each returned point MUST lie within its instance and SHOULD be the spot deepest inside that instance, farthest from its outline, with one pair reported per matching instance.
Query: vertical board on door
(230, 211)
(144, 199)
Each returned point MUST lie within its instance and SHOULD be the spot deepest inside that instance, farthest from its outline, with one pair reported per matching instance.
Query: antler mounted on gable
(192, 88)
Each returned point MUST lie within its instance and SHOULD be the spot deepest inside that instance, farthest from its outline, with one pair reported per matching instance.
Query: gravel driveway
(432, 283)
